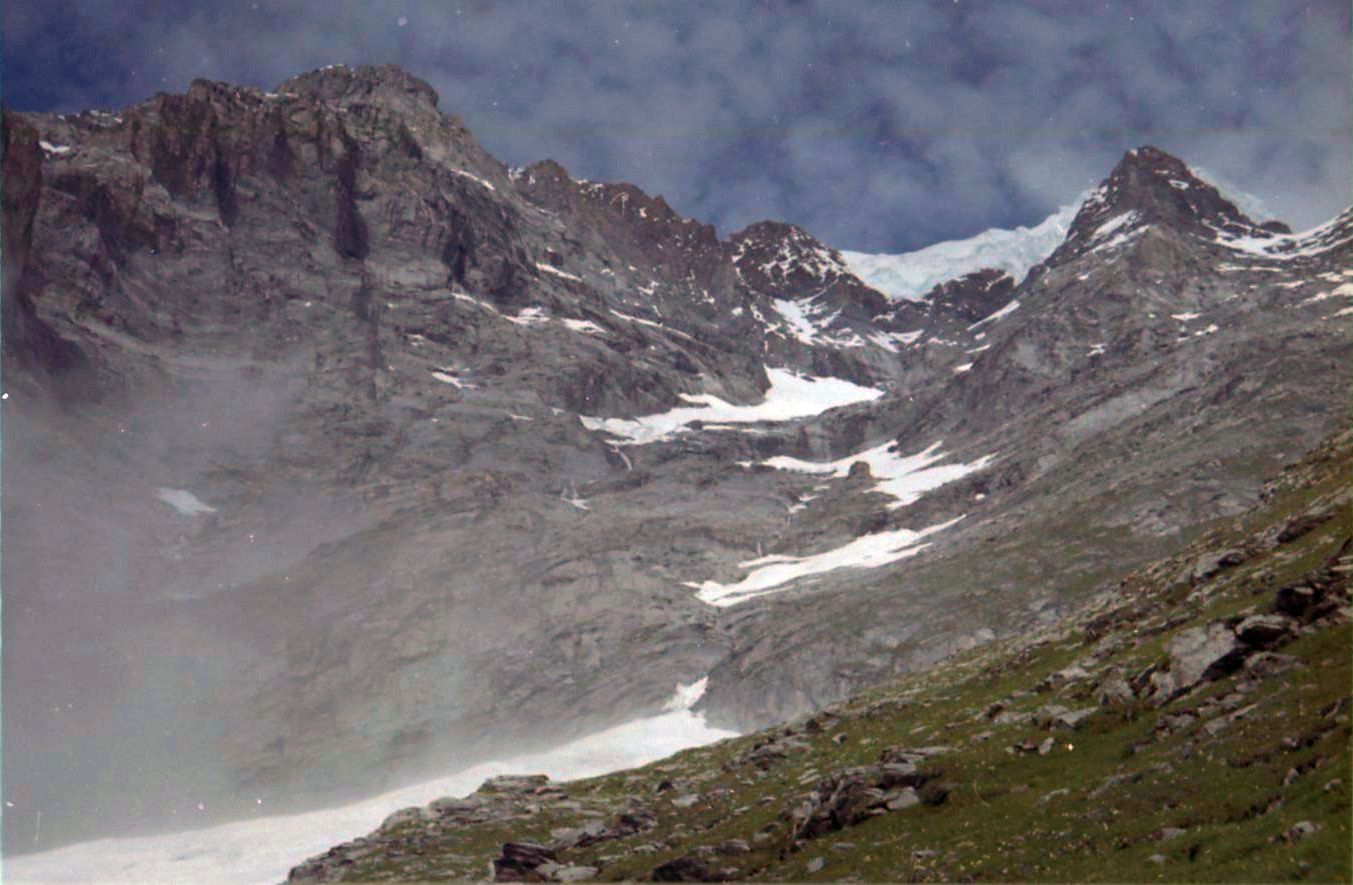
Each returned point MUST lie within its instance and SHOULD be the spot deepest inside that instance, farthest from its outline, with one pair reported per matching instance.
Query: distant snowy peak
(912, 275)
(1147, 187)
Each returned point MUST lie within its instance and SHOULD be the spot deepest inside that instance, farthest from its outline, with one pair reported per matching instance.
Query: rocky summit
(338, 453)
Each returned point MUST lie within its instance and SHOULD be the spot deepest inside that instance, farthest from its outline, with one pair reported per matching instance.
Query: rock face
(357, 406)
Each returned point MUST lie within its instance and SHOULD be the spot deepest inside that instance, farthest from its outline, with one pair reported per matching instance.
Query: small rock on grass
(906, 798)
(1302, 829)
(1072, 720)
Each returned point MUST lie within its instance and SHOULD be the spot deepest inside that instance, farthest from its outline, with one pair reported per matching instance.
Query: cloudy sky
(876, 125)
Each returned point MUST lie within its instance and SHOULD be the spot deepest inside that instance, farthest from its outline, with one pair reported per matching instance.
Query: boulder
(1200, 654)
(572, 837)
(524, 862)
(1211, 563)
(690, 868)
(1067, 676)
(1072, 720)
(1113, 691)
(1267, 663)
(1296, 600)
(449, 806)
(1302, 829)
(1265, 631)
(1048, 714)
(854, 795)
(514, 783)
(901, 800)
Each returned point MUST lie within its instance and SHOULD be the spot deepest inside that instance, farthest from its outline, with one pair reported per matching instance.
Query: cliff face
(27, 339)
(339, 452)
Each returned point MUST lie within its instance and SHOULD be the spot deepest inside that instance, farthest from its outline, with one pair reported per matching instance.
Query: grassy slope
(1092, 809)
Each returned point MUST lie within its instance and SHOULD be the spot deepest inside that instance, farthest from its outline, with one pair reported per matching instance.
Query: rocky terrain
(338, 452)
(1191, 724)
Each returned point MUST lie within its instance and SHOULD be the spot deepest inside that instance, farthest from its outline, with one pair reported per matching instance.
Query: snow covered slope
(911, 275)
(261, 850)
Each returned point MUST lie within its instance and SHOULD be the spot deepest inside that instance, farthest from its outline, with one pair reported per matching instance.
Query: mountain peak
(1153, 159)
(342, 85)
(1150, 187)
(776, 248)
(1162, 189)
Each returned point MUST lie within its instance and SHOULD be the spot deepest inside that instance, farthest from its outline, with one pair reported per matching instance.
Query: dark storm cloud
(877, 125)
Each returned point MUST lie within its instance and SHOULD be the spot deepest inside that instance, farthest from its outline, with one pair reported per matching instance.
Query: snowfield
(264, 849)
(905, 478)
(771, 574)
(790, 396)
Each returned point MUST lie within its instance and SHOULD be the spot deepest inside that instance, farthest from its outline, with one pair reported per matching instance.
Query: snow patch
(1003, 312)
(789, 396)
(475, 178)
(771, 574)
(184, 502)
(1120, 239)
(1345, 290)
(808, 322)
(904, 477)
(448, 376)
(798, 321)
(650, 323)
(1285, 247)
(686, 695)
(58, 149)
(550, 269)
(1127, 219)
(587, 327)
(530, 316)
